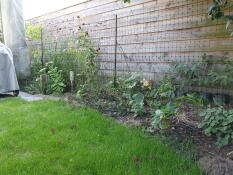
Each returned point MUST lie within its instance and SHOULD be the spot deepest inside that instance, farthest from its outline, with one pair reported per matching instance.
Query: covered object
(8, 79)
(13, 27)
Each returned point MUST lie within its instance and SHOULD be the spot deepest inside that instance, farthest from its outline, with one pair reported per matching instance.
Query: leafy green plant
(218, 122)
(165, 89)
(82, 61)
(222, 76)
(188, 74)
(141, 96)
(55, 79)
(137, 103)
(191, 98)
(132, 90)
(33, 32)
(161, 117)
(33, 87)
(210, 71)
(159, 120)
(216, 11)
(164, 107)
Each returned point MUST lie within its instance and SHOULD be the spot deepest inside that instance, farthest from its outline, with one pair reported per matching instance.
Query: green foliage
(132, 90)
(218, 122)
(159, 120)
(132, 84)
(36, 66)
(55, 79)
(161, 117)
(210, 71)
(54, 82)
(82, 61)
(164, 93)
(34, 87)
(188, 74)
(216, 11)
(192, 99)
(33, 32)
(140, 96)
(166, 89)
(137, 103)
(164, 105)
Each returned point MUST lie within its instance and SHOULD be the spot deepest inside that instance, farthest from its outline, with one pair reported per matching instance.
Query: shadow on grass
(5, 96)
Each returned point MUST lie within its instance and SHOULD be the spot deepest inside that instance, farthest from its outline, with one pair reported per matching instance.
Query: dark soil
(183, 127)
(214, 160)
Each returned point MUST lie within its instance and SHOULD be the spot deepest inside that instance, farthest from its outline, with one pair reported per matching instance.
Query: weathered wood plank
(152, 33)
(161, 57)
(206, 45)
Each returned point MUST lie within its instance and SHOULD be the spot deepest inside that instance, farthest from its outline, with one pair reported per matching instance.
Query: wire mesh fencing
(156, 38)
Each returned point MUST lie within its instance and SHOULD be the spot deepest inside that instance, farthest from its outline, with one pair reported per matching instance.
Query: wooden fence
(151, 34)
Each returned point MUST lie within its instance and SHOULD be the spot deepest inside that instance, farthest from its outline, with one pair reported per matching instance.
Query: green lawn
(52, 138)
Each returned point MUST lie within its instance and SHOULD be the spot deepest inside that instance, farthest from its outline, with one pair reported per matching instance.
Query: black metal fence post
(42, 47)
(115, 62)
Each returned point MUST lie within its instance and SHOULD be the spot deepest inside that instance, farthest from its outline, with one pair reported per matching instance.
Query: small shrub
(132, 89)
(165, 89)
(218, 122)
(36, 66)
(161, 117)
(55, 79)
(34, 87)
(81, 59)
(163, 106)
(137, 103)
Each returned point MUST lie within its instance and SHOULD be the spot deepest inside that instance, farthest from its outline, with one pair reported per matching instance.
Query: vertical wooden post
(115, 62)
(44, 82)
(72, 81)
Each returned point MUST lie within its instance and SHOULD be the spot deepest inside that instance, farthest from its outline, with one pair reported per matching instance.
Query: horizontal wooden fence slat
(152, 34)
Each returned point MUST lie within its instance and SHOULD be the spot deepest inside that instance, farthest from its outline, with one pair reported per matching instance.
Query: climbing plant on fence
(217, 11)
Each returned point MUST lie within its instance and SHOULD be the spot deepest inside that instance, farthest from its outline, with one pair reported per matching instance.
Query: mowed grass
(53, 138)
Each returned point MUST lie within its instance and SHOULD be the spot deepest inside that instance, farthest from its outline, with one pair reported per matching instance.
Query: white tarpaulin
(8, 80)
(14, 35)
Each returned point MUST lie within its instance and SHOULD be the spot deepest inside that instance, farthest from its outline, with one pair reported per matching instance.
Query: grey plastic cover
(14, 35)
(8, 79)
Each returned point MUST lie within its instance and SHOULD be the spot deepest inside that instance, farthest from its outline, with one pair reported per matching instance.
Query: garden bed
(184, 127)
(169, 107)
